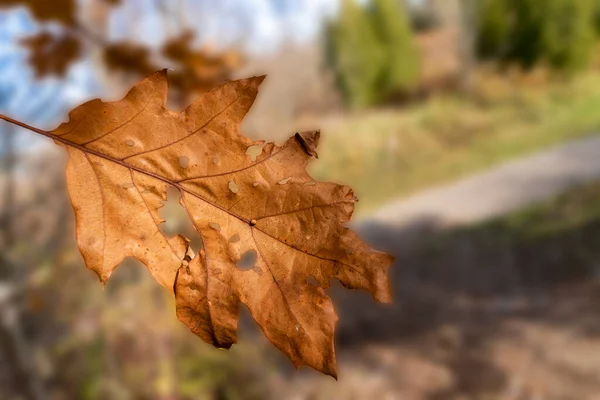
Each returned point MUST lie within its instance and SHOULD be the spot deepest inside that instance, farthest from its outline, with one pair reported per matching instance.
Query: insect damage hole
(177, 220)
(311, 280)
(233, 187)
(246, 262)
(130, 142)
(184, 161)
(254, 151)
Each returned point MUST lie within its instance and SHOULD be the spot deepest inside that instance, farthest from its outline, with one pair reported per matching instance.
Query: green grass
(384, 154)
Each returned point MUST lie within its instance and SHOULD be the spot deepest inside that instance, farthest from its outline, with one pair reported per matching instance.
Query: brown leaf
(199, 70)
(309, 142)
(128, 57)
(273, 238)
(62, 11)
(51, 55)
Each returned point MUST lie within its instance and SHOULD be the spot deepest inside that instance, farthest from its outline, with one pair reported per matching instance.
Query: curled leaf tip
(309, 140)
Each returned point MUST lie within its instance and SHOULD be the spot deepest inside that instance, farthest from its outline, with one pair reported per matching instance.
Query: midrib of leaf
(161, 178)
(177, 185)
(119, 162)
(87, 151)
(285, 300)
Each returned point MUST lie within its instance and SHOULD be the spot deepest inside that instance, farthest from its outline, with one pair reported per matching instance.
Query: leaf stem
(84, 149)
(167, 181)
(28, 127)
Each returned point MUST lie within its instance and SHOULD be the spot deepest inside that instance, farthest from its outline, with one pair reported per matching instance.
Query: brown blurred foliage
(128, 57)
(196, 70)
(51, 55)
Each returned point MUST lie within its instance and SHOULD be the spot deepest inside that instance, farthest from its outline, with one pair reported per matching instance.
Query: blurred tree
(372, 52)
(400, 69)
(597, 16)
(495, 28)
(355, 52)
(560, 34)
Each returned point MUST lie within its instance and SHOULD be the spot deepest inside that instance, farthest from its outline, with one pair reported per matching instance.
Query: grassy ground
(384, 154)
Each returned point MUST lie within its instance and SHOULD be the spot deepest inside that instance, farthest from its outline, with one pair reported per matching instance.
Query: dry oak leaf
(124, 155)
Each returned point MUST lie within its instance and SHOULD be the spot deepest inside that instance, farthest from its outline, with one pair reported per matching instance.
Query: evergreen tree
(495, 29)
(400, 70)
(354, 50)
(568, 33)
(560, 33)
(372, 52)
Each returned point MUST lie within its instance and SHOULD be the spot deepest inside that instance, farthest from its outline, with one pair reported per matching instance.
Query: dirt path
(500, 190)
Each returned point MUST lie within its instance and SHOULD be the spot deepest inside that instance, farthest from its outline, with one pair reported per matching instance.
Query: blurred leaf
(273, 238)
(128, 57)
(51, 55)
(198, 70)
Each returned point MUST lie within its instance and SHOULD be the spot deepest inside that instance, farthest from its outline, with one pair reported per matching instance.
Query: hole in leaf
(215, 226)
(311, 280)
(130, 142)
(233, 187)
(177, 220)
(235, 238)
(255, 184)
(184, 161)
(247, 323)
(254, 151)
(216, 160)
(246, 262)
(284, 181)
(130, 272)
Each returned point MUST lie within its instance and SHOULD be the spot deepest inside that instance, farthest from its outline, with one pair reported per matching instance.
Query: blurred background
(469, 129)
